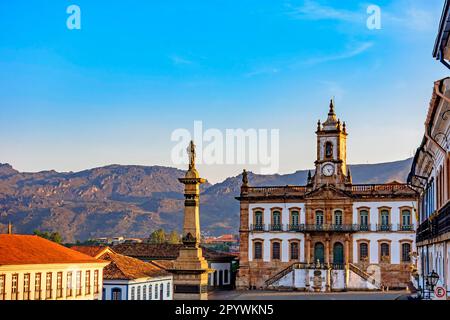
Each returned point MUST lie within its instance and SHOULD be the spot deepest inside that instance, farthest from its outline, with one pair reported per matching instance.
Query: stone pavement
(276, 295)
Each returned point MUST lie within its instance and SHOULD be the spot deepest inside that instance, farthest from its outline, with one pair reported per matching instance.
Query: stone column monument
(190, 270)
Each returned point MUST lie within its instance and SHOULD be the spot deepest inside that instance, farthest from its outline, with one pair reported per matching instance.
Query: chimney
(10, 228)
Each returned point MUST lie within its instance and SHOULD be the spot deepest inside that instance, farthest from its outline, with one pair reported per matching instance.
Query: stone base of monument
(190, 275)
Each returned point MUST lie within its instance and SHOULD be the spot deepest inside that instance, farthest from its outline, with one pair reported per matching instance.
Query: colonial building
(430, 173)
(126, 278)
(33, 268)
(329, 234)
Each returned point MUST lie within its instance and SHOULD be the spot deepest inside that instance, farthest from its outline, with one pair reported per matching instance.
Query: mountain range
(119, 200)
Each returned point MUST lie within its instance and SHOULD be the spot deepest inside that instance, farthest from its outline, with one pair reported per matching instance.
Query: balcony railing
(258, 227)
(384, 227)
(296, 227)
(275, 227)
(405, 227)
(331, 227)
(364, 227)
(436, 227)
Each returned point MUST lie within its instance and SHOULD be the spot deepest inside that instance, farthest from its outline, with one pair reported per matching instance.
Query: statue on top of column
(192, 155)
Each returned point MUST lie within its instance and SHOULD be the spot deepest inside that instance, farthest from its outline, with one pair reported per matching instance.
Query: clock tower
(331, 163)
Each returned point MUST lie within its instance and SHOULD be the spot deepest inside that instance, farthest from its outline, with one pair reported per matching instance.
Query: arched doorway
(338, 253)
(319, 252)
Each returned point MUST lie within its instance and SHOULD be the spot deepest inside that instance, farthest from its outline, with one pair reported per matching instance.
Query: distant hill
(134, 200)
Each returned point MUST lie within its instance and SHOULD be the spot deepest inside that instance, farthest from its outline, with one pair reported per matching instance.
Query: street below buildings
(276, 295)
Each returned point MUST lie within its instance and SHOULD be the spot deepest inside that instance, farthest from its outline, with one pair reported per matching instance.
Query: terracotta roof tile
(26, 249)
(93, 251)
(163, 251)
(127, 268)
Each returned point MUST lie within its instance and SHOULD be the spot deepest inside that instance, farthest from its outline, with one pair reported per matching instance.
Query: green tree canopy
(53, 236)
(174, 237)
(158, 236)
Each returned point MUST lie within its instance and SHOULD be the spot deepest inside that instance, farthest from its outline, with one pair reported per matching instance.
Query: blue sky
(114, 91)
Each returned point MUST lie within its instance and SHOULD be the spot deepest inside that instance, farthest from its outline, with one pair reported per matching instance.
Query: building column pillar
(308, 249)
(347, 249)
(347, 260)
(327, 250)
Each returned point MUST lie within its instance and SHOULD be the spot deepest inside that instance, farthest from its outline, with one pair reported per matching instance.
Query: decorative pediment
(328, 192)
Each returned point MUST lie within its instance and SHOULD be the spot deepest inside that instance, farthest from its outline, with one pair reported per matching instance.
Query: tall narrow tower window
(328, 150)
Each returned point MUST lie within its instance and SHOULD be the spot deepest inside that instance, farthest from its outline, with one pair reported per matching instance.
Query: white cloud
(262, 71)
(353, 52)
(178, 60)
(312, 10)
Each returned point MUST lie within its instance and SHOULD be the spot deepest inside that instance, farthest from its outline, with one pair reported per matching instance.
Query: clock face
(328, 170)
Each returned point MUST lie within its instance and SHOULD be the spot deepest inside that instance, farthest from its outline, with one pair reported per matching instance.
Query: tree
(54, 236)
(158, 236)
(174, 237)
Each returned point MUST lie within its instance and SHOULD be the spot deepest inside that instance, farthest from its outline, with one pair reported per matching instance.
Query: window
(338, 217)
(26, 286)
(328, 150)
(363, 252)
(48, 286)
(319, 218)
(14, 288)
(364, 220)
(156, 291)
(133, 293)
(116, 294)
(59, 289)
(406, 220)
(161, 292)
(276, 220)
(69, 284)
(96, 286)
(258, 255)
(78, 283)
(385, 253)
(144, 292)
(87, 280)
(384, 217)
(168, 290)
(2, 287)
(276, 250)
(139, 293)
(258, 218)
(406, 250)
(37, 286)
(294, 250)
(295, 218)
(150, 292)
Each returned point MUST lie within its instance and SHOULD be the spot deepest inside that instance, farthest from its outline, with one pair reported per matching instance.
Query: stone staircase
(269, 283)
(283, 273)
(365, 276)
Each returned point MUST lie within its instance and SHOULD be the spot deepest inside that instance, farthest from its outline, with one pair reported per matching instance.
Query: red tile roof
(93, 251)
(26, 249)
(149, 251)
(127, 268)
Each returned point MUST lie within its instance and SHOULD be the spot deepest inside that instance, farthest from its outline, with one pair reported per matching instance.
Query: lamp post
(431, 281)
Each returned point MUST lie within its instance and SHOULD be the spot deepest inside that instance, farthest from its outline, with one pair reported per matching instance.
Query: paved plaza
(275, 295)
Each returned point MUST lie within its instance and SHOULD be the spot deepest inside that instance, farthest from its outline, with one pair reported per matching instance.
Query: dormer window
(328, 150)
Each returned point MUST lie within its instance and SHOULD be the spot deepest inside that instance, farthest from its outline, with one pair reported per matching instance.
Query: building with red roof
(33, 268)
(127, 278)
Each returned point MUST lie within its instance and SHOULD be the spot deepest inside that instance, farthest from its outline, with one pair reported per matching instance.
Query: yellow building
(33, 268)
